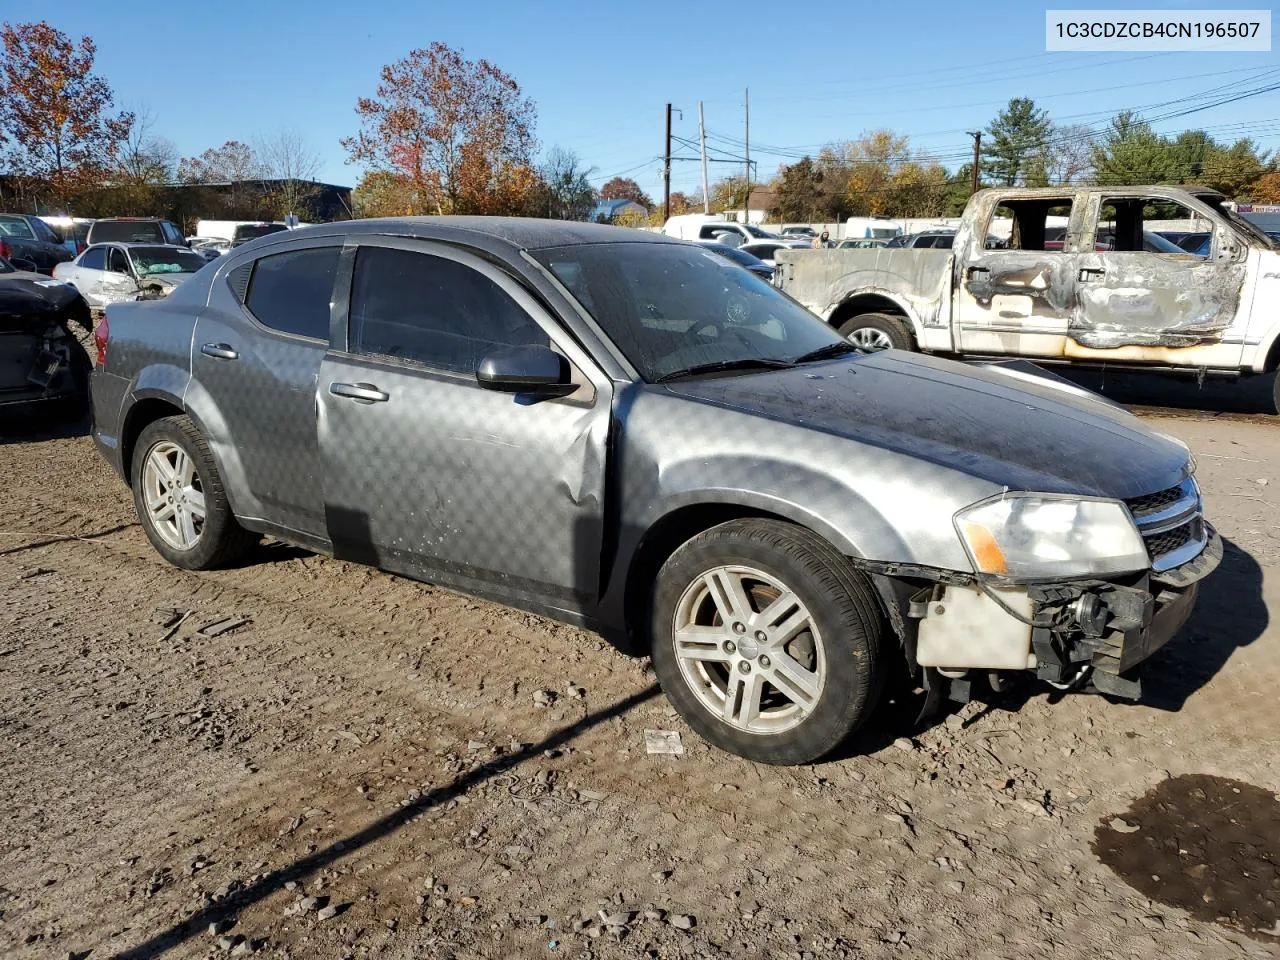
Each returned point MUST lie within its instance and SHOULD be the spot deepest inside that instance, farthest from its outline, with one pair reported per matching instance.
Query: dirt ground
(356, 765)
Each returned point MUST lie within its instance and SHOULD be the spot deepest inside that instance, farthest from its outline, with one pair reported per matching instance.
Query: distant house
(608, 211)
(760, 206)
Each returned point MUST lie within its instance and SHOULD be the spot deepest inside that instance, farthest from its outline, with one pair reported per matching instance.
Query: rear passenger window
(433, 310)
(290, 292)
(95, 258)
(1034, 224)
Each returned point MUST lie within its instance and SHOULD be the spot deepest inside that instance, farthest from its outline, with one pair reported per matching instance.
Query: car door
(255, 359)
(1018, 299)
(87, 273)
(430, 474)
(117, 283)
(1135, 290)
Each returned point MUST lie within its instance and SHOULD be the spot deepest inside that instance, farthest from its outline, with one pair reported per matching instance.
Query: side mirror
(534, 369)
(22, 263)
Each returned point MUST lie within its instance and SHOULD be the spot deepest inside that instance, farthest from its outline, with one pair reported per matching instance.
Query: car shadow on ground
(301, 869)
(1246, 395)
(38, 427)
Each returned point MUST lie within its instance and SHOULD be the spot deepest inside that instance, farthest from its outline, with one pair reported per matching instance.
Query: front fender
(805, 496)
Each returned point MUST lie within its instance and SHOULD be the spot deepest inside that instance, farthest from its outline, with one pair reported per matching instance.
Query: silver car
(629, 433)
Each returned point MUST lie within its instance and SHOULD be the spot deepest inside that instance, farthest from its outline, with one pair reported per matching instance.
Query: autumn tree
(1234, 169)
(383, 193)
(56, 123)
(918, 188)
(460, 131)
(624, 188)
(1266, 189)
(872, 161)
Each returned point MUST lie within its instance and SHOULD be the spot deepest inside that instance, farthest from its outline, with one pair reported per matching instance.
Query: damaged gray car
(44, 370)
(629, 433)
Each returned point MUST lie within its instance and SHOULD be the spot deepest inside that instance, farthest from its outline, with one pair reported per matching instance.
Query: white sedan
(111, 272)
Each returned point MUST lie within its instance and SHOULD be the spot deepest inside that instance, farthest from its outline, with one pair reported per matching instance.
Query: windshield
(126, 231)
(1251, 230)
(670, 307)
(253, 231)
(156, 260)
(758, 233)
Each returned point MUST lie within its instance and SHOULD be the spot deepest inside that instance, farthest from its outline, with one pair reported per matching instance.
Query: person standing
(822, 241)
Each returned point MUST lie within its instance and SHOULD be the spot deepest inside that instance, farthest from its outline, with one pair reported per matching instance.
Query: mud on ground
(308, 759)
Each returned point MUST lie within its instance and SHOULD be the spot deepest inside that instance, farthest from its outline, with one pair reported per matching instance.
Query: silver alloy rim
(869, 338)
(173, 495)
(749, 649)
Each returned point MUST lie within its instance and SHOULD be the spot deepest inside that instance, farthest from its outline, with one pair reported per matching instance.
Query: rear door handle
(1088, 274)
(359, 392)
(220, 350)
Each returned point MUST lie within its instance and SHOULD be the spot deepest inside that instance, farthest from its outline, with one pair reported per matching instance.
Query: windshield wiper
(746, 363)
(837, 349)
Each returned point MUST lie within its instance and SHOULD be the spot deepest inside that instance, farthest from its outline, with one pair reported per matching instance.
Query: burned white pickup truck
(1082, 279)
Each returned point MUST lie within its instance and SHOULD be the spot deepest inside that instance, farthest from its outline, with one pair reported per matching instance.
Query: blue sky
(601, 73)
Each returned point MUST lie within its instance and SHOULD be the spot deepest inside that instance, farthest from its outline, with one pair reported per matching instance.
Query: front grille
(1160, 544)
(1154, 512)
(1151, 502)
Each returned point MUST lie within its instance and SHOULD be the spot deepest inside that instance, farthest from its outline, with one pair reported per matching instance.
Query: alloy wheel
(174, 496)
(749, 649)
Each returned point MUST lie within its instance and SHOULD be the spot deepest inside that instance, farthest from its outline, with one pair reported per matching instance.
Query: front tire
(767, 641)
(877, 331)
(179, 498)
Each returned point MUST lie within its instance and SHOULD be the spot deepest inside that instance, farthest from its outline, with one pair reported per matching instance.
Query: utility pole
(702, 145)
(746, 143)
(666, 172)
(977, 152)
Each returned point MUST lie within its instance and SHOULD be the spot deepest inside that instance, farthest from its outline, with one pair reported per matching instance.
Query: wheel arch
(681, 524)
(144, 411)
(874, 302)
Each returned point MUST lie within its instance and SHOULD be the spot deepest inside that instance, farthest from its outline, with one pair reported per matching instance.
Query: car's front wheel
(767, 640)
(178, 495)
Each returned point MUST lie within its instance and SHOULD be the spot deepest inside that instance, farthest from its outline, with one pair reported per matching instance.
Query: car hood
(1009, 428)
(165, 279)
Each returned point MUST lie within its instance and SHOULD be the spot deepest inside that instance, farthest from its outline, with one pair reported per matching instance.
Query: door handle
(219, 350)
(359, 392)
(1088, 274)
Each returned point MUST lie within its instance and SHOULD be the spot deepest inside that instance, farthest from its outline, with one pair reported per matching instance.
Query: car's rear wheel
(877, 331)
(178, 495)
(767, 641)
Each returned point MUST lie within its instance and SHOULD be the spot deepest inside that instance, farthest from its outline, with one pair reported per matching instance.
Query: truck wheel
(877, 331)
(767, 641)
(178, 495)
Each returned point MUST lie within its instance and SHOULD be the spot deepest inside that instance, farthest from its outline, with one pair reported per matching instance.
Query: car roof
(524, 233)
(134, 243)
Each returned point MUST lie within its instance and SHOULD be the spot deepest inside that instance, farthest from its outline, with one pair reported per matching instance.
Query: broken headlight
(1041, 536)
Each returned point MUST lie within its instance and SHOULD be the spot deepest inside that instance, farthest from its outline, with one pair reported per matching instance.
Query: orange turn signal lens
(986, 552)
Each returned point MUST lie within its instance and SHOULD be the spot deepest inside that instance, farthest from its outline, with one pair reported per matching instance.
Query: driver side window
(436, 311)
(117, 262)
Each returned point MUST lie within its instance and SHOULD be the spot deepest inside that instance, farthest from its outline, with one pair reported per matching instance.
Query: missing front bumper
(1099, 631)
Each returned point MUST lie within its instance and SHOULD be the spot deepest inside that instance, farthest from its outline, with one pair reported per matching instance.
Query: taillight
(100, 334)
(80, 248)
(6, 251)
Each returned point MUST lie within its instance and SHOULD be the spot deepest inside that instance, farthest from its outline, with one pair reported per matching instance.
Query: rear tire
(877, 331)
(179, 498)
(767, 641)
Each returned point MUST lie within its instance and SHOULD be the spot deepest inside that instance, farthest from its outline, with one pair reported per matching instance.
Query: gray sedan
(629, 433)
